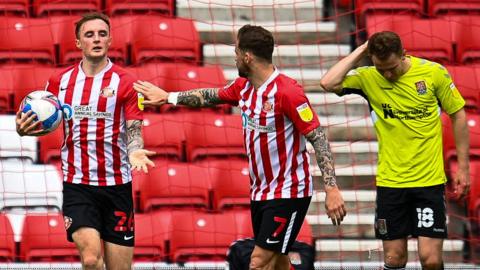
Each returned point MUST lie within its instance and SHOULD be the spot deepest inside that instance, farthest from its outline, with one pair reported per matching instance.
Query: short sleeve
(352, 83)
(447, 93)
(231, 92)
(296, 106)
(53, 85)
(133, 101)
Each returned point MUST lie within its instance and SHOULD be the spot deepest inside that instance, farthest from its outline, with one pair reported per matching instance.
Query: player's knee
(258, 262)
(92, 261)
(395, 259)
(431, 263)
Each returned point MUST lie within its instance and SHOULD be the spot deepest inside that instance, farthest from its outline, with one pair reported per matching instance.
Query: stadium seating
(12, 145)
(198, 236)
(165, 39)
(467, 39)
(474, 194)
(26, 40)
(29, 186)
(230, 182)
(467, 80)
(449, 150)
(27, 78)
(119, 7)
(163, 133)
(50, 147)
(65, 7)
(210, 135)
(15, 7)
(377, 6)
(152, 231)
(426, 38)
(7, 244)
(172, 185)
(436, 7)
(44, 239)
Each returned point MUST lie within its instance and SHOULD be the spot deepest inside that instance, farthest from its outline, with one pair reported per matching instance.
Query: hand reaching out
(154, 96)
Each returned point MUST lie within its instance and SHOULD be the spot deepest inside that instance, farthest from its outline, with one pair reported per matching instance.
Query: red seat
(468, 40)
(7, 243)
(198, 236)
(44, 239)
(436, 7)
(449, 150)
(27, 78)
(165, 39)
(117, 7)
(152, 231)
(15, 7)
(163, 133)
(210, 135)
(64, 26)
(26, 40)
(171, 185)
(375, 6)
(6, 89)
(474, 193)
(467, 80)
(230, 182)
(431, 39)
(65, 7)
(50, 146)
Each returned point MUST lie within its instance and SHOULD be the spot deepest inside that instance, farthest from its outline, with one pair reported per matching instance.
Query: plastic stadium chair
(165, 39)
(12, 145)
(172, 185)
(152, 231)
(467, 80)
(474, 194)
(44, 239)
(29, 186)
(64, 26)
(65, 7)
(436, 7)
(7, 243)
(431, 39)
(467, 39)
(15, 7)
(118, 7)
(163, 133)
(198, 236)
(230, 182)
(26, 40)
(449, 150)
(50, 146)
(376, 6)
(210, 135)
(6, 90)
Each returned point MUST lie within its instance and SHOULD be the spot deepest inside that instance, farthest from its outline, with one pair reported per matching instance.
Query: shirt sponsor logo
(305, 112)
(251, 124)
(67, 112)
(421, 87)
(86, 111)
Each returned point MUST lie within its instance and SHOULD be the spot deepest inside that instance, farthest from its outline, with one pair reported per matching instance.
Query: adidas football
(46, 107)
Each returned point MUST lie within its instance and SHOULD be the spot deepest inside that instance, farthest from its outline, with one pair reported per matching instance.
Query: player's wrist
(172, 98)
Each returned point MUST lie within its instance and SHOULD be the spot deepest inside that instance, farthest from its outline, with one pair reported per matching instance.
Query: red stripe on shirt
(68, 141)
(307, 174)
(100, 133)
(295, 150)
(282, 149)
(116, 131)
(264, 150)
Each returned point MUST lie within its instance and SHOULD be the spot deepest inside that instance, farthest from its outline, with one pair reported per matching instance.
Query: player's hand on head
(461, 183)
(335, 205)
(153, 95)
(139, 160)
(26, 124)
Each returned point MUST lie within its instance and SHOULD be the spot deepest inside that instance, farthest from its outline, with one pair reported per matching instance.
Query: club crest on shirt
(267, 106)
(107, 92)
(68, 222)
(305, 112)
(421, 87)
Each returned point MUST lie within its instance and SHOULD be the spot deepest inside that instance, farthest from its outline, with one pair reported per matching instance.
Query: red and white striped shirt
(276, 117)
(96, 108)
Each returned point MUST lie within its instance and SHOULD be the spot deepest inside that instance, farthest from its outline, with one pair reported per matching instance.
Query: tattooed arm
(194, 98)
(333, 202)
(137, 156)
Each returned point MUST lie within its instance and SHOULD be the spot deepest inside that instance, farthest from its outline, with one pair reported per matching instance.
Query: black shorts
(403, 212)
(107, 209)
(276, 223)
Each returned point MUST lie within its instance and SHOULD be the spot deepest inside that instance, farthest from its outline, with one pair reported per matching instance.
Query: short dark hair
(89, 17)
(383, 44)
(256, 40)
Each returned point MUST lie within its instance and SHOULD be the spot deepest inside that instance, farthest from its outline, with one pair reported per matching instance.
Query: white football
(46, 107)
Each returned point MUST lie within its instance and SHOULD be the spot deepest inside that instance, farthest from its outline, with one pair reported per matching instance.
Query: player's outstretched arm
(332, 80)
(334, 203)
(26, 124)
(156, 96)
(137, 156)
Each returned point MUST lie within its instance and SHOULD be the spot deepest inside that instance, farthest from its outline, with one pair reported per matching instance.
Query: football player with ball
(103, 142)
